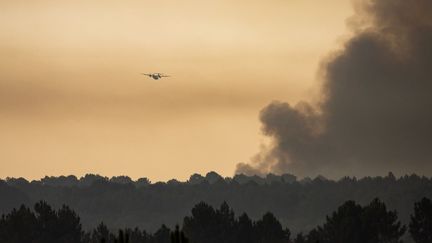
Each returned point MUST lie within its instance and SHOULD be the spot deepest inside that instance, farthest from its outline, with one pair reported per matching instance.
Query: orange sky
(72, 100)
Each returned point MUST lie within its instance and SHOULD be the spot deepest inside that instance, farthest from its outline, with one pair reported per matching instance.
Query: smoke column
(375, 115)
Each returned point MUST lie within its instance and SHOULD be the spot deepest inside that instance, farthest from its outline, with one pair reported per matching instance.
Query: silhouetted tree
(100, 234)
(47, 222)
(178, 236)
(44, 226)
(57, 227)
(142, 182)
(355, 224)
(225, 224)
(68, 227)
(138, 236)
(381, 225)
(18, 226)
(162, 235)
(269, 229)
(200, 227)
(350, 223)
(314, 236)
(245, 229)
(122, 237)
(212, 226)
(299, 238)
(420, 226)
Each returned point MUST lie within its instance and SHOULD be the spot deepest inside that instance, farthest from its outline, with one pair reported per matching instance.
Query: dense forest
(300, 205)
(350, 223)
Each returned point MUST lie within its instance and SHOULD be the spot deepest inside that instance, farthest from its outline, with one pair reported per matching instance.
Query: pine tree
(420, 226)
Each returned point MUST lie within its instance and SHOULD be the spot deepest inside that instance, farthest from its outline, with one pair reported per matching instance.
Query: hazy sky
(72, 100)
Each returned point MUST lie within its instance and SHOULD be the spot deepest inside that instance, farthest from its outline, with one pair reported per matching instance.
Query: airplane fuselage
(155, 76)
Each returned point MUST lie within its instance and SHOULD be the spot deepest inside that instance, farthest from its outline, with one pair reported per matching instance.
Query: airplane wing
(148, 74)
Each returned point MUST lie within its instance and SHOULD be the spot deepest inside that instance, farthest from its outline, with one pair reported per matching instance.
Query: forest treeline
(300, 204)
(350, 223)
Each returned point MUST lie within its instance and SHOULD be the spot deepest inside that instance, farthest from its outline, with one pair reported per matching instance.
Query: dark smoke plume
(376, 111)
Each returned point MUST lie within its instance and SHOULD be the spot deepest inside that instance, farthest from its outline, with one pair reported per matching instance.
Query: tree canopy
(297, 202)
(420, 226)
(351, 222)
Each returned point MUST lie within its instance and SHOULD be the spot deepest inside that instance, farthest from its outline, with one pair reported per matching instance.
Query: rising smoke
(376, 111)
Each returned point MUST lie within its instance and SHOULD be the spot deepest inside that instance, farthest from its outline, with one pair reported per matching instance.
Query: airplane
(155, 76)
